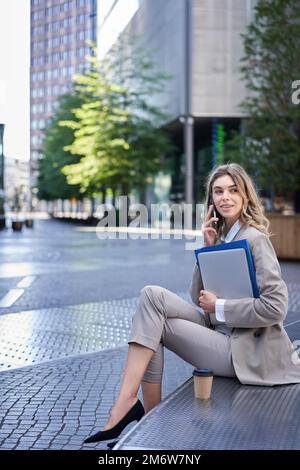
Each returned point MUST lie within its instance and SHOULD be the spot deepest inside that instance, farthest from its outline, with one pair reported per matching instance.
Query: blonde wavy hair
(252, 214)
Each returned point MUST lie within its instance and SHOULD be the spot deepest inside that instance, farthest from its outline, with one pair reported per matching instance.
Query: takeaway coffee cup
(203, 379)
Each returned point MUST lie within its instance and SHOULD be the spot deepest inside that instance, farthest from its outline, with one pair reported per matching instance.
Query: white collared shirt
(232, 232)
(229, 237)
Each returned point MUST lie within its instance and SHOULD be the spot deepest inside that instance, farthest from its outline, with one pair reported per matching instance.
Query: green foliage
(116, 130)
(52, 182)
(269, 146)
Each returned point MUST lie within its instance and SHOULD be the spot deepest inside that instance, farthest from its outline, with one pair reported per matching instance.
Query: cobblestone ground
(56, 405)
(62, 344)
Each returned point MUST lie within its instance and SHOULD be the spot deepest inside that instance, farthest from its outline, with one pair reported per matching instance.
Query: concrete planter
(286, 230)
(29, 223)
(17, 225)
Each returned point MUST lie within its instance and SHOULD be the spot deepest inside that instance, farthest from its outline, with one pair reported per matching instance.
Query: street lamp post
(189, 120)
(2, 212)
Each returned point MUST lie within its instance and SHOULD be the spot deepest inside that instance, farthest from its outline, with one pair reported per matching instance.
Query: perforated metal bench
(236, 417)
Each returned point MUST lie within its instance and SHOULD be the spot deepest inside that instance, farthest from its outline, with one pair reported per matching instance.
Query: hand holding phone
(214, 223)
(208, 229)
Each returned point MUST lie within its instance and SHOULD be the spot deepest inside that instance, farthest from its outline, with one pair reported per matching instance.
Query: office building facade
(198, 43)
(59, 30)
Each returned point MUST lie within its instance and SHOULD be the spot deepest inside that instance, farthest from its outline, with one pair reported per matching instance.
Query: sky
(15, 65)
(14, 76)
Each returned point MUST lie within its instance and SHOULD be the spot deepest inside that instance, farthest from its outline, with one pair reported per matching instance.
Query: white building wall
(161, 24)
(217, 48)
(159, 27)
(112, 17)
(217, 89)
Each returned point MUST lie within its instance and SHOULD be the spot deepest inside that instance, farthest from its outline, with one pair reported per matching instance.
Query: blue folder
(228, 269)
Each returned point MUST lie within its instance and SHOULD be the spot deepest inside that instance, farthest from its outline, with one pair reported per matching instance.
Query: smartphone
(214, 213)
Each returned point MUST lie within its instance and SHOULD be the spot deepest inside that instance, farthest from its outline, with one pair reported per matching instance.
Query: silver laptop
(226, 273)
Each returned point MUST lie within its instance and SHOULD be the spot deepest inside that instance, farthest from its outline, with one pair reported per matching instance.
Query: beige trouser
(164, 319)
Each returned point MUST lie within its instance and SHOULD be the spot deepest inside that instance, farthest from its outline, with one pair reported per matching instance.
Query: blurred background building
(59, 30)
(197, 42)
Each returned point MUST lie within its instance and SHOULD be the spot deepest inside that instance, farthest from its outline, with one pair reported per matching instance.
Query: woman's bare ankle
(126, 397)
(119, 410)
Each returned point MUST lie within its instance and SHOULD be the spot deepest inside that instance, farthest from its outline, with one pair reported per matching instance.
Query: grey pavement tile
(72, 429)
(33, 447)
(8, 445)
(78, 329)
(55, 333)
(60, 439)
(27, 440)
(32, 434)
(71, 447)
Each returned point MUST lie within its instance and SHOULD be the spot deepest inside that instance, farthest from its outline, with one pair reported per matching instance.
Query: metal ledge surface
(236, 417)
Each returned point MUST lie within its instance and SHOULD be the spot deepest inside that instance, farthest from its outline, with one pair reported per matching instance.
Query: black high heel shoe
(112, 444)
(134, 414)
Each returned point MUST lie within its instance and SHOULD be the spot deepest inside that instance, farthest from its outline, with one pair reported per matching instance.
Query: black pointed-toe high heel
(134, 414)
(112, 444)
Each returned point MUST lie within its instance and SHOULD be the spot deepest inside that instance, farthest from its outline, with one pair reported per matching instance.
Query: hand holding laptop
(207, 301)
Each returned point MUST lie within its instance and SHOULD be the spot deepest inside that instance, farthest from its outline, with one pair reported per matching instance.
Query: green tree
(117, 132)
(52, 183)
(269, 145)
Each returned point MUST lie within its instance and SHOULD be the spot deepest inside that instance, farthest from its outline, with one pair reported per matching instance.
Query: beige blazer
(262, 352)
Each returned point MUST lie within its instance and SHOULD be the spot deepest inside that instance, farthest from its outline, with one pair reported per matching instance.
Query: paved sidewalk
(56, 405)
(36, 336)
